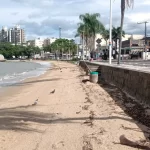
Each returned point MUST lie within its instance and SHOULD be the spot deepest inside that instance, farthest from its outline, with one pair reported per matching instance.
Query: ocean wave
(10, 79)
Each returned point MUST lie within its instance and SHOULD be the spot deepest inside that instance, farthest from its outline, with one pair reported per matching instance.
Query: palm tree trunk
(86, 45)
(93, 42)
(106, 44)
(116, 46)
(121, 27)
(90, 44)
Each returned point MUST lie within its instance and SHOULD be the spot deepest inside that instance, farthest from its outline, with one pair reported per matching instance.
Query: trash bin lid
(93, 72)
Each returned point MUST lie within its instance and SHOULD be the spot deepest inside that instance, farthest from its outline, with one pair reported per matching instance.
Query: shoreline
(4, 88)
(15, 88)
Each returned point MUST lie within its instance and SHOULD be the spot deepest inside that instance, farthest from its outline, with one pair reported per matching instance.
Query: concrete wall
(135, 83)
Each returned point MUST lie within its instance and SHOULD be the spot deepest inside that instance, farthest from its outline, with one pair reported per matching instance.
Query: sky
(42, 18)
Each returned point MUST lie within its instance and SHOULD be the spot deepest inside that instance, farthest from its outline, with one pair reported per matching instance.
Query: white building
(52, 40)
(106, 44)
(136, 37)
(36, 42)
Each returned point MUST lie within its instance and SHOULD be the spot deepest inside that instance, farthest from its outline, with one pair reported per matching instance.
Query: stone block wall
(135, 83)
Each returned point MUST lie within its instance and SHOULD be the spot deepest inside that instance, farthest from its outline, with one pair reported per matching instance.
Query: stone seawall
(135, 83)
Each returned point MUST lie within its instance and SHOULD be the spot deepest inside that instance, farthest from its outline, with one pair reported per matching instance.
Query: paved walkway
(143, 66)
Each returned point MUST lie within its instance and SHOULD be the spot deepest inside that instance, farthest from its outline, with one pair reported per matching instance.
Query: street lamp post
(77, 50)
(110, 33)
(61, 43)
(145, 37)
(83, 46)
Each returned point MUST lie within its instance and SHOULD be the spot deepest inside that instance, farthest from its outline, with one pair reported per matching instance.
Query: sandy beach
(78, 115)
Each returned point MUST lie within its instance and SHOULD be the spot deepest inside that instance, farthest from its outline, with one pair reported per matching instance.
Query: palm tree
(116, 35)
(105, 35)
(124, 4)
(90, 25)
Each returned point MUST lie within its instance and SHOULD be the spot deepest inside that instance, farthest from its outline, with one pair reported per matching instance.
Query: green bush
(75, 59)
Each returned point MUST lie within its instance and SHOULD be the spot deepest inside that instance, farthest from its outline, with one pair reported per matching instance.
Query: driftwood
(137, 144)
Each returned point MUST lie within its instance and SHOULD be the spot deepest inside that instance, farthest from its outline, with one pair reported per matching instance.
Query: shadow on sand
(131, 107)
(20, 119)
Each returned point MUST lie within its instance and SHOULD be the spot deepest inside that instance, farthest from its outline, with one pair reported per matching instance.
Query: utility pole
(145, 22)
(77, 50)
(60, 32)
(61, 43)
(83, 46)
(69, 49)
(110, 33)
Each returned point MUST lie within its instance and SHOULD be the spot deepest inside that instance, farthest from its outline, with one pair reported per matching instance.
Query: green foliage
(105, 34)
(63, 46)
(75, 59)
(90, 25)
(9, 50)
(47, 48)
(116, 32)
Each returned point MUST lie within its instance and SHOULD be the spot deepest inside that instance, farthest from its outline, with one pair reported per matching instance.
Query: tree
(83, 29)
(90, 25)
(116, 35)
(105, 35)
(63, 46)
(47, 48)
(124, 4)
(9, 50)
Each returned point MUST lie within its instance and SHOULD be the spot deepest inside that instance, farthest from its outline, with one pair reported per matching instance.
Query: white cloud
(139, 17)
(43, 17)
(146, 2)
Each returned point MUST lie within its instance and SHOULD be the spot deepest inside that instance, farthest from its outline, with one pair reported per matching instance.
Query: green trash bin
(94, 77)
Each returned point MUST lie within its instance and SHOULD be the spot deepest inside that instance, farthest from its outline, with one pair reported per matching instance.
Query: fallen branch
(138, 144)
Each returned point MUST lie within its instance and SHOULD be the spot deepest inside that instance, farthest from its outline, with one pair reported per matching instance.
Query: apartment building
(14, 35)
(4, 34)
(48, 41)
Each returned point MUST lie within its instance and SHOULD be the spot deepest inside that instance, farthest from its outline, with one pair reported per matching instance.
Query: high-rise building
(16, 35)
(48, 41)
(4, 34)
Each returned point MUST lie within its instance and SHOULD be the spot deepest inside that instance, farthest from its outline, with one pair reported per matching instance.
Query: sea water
(14, 72)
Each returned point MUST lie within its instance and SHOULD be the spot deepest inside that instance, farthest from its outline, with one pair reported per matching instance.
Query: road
(140, 65)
